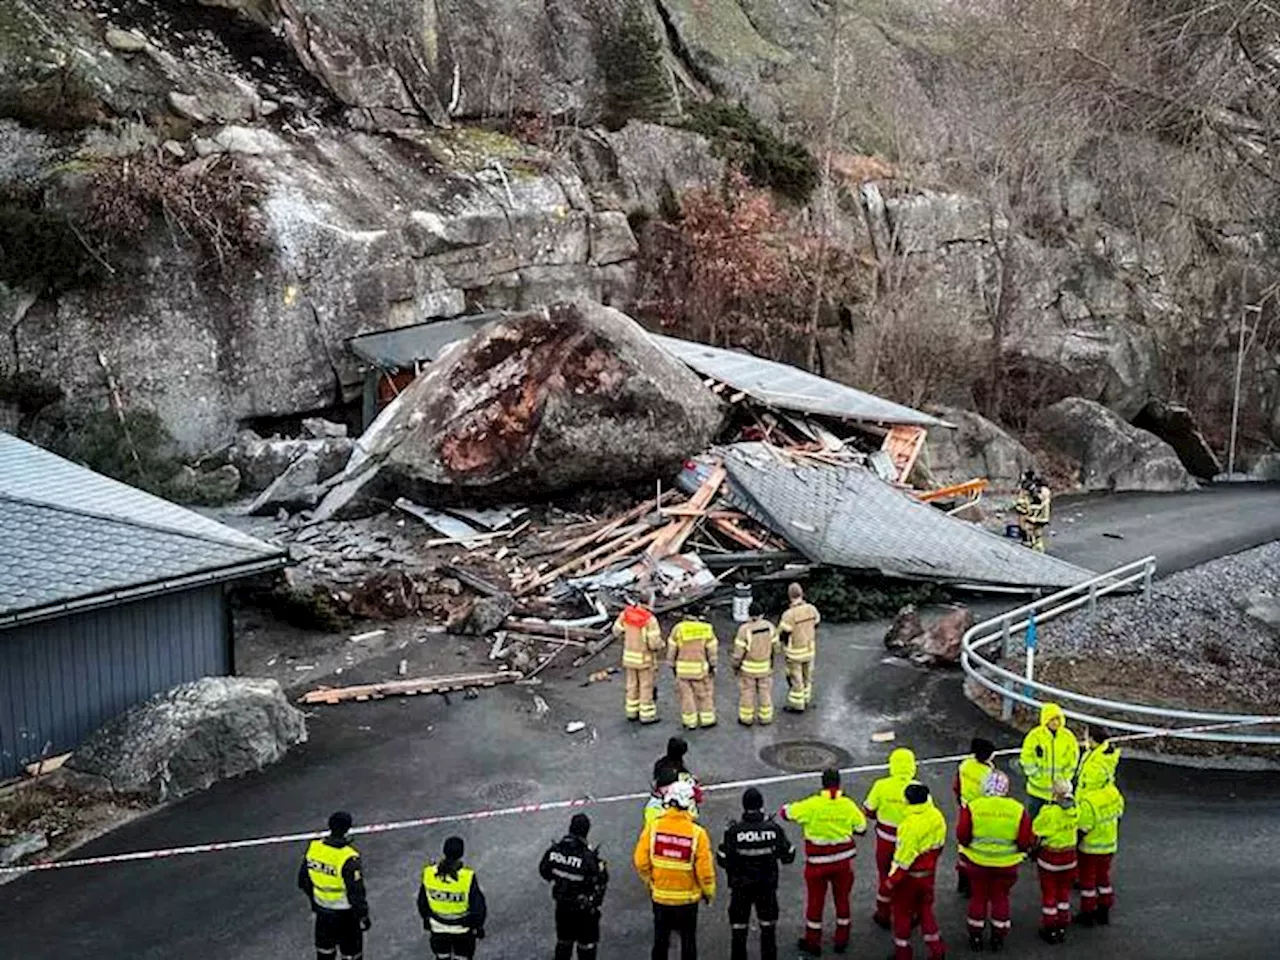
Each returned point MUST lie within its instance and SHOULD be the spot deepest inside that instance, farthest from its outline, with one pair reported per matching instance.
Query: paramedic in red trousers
(1056, 827)
(749, 854)
(994, 832)
(331, 878)
(967, 785)
(922, 834)
(886, 803)
(1050, 752)
(1101, 806)
(830, 822)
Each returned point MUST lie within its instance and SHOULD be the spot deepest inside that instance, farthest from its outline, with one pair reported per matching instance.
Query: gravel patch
(1192, 645)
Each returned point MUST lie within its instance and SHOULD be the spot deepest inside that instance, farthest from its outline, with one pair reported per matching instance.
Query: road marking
(530, 808)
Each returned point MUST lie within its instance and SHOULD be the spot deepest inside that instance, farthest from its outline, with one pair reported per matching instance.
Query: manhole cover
(507, 791)
(804, 756)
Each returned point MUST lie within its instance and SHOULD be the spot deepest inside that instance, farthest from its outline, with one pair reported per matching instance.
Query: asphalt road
(1194, 877)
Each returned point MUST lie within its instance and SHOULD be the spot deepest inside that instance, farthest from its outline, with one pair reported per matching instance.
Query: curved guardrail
(1022, 624)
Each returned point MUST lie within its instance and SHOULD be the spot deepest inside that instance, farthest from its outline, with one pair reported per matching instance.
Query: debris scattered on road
(574, 726)
(409, 688)
(599, 676)
(883, 736)
(367, 635)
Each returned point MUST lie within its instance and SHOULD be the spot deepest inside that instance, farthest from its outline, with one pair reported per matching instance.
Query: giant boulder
(533, 404)
(975, 448)
(1111, 453)
(192, 736)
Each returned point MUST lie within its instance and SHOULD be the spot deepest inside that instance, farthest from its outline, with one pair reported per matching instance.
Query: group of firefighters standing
(691, 650)
(1068, 824)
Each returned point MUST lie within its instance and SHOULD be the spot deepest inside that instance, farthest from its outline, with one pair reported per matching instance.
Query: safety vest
(829, 822)
(1056, 826)
(973, 774)
(754, 645)
(1098, 767)
(1057, 760)
(921, 836)
(640, 635)
(1100, 813)
(800, 623)
(324, 867)
(887, 800)
(449, 899)
(996, 822)
(693, 641)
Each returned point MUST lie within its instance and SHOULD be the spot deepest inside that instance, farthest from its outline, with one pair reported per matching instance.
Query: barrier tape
(547, 806)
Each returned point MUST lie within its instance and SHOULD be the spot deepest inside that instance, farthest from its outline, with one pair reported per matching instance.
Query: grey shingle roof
(790, 388)
(70, 534)
(849, 517)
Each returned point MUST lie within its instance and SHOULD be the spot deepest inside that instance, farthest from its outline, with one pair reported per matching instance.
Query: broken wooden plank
(674, 535)
(545, 629)
(616, 523)
(572, 565)
(624, 551)
(539, 638)
(46, 765)
(734, 532)
(441, 684)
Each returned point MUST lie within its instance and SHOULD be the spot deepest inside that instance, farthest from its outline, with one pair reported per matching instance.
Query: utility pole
(1245, 308)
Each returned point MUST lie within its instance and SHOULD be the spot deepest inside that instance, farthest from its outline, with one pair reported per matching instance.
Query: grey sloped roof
(400, 348)
(790, 388)
(71, 535)
(849, 517)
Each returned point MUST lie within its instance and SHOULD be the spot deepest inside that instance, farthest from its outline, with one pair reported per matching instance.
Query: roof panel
(402, 347)
(790, 388)
(849, 517)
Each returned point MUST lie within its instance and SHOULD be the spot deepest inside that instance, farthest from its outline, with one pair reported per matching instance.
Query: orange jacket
(673, 858)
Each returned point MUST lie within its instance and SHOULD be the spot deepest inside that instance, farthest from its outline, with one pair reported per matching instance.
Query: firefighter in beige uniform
(753, 651)
(641, 642)
(799, 624)
(691, 651)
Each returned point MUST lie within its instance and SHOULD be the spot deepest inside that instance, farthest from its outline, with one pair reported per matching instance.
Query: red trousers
(912, 900)
(1057, 869)
(817, 878)
(1095, 882)
(884, 860)
(989, 889)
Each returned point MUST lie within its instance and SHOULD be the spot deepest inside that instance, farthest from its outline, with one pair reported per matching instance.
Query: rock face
(976, 448)
(1175, 425)
(192, 736)
(1112, 454)
(533, 404)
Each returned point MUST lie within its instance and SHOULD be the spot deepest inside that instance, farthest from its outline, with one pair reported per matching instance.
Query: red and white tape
(535, 808)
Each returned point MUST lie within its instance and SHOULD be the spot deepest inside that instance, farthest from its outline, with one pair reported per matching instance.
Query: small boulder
(1263, 607)
(125, 41)
(295, 489)
(23, 845)
(488, 614)
(218, 486)
(317, 428)
(1175, 425)
(977, 447)
(905, 629)
(1111, 454)
(188, 738)
(941, 642)
(261, 462)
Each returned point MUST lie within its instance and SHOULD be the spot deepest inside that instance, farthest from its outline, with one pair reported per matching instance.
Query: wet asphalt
(1197, 874)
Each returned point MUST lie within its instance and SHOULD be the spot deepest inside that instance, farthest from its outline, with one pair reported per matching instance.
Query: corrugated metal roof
(71, 534)
(400, 348)
(848, 517)
(790, 388)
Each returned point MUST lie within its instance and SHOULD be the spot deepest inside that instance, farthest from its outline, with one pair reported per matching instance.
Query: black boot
(1047, 935)
(805, 947)
(1103, 916)
(975, 941)
(881, 922)
(997, 943)
(962, 884)
(1060, 935)
(1085, 918)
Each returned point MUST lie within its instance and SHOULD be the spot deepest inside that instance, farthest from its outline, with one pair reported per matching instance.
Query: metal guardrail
(1000, 632)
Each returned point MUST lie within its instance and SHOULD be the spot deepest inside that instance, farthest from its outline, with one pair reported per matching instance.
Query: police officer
(578, 879)
(750, 853)
(331, 878)
(452, 905)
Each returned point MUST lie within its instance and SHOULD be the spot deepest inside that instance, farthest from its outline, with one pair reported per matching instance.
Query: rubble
(938, 643)
(297, 488)
(409, 688)
(260, 461)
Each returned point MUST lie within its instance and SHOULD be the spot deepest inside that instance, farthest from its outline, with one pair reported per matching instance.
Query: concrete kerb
(521, 810)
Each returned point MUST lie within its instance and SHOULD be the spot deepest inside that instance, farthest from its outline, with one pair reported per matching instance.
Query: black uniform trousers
(576, 924)
(763, 897)
(681, 920)
(453, 946)
(338, 931)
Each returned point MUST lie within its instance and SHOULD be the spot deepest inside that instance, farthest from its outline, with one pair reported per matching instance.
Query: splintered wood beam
(409, 688)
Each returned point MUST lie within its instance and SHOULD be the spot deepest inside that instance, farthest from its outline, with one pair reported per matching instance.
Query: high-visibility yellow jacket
(830, 821)
(673, 858)
(1056, 824)
(1047, 756)
(641, 637)
(754, 648)
(997, 833)
(1100, 813)
(921, 836)
(970, 777)
(886, 801)
(1098, 767)
(799, 623)
(692, 649)
(326, 869)
(451, 904)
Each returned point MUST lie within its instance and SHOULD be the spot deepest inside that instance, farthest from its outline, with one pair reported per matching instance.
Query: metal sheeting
(790, 388)
(62, 679)
(400, 348)
(848, 517)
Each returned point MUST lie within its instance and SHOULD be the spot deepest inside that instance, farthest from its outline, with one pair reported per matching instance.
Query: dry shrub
(732, 270)
(210, 202)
